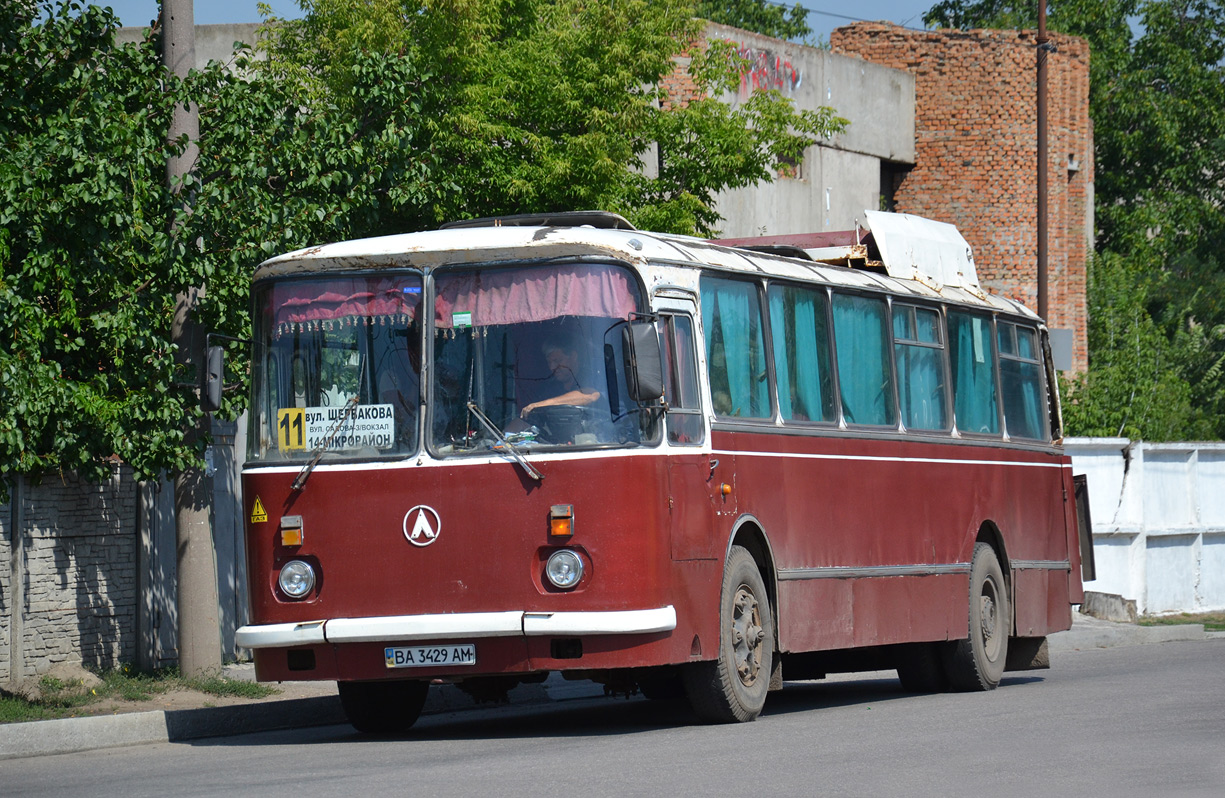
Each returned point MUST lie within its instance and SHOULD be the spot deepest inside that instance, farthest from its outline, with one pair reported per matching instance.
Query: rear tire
(382, 707)
(733, 687)
(977, 663)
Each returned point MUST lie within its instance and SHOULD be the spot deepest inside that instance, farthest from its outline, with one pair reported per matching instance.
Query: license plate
(430, 656)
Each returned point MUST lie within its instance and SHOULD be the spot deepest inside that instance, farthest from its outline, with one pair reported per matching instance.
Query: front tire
(977, 663)
(382, 708)
(733, 687)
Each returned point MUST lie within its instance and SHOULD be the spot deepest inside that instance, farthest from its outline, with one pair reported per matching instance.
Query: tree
(1157, 100)
(546, 105)
(368, 118)
(88, 269)
(760, 16)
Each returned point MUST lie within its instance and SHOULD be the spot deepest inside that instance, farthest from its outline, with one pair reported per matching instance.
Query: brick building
(976, 154)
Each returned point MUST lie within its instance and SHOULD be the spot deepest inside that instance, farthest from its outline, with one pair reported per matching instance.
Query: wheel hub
(747, 635)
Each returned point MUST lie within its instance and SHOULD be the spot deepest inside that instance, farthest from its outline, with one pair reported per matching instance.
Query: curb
(71, 735)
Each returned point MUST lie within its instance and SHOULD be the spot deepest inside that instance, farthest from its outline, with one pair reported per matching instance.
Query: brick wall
(68, 567)
(976, 153)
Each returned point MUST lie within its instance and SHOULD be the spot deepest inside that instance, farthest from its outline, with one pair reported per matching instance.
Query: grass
(62, 699)
(1212, 621)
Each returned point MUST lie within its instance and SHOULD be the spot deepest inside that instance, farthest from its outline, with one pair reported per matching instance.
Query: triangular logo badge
(258, 514)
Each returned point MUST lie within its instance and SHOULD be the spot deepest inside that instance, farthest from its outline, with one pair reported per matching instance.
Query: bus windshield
(338, 368)
(538, 352)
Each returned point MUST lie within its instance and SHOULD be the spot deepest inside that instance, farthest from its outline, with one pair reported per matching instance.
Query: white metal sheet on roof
(914, 248)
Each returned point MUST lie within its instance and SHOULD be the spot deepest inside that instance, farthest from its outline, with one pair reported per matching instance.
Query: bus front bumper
(453, 626)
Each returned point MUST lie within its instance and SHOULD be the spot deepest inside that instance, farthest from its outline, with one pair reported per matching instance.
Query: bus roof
(899, 253)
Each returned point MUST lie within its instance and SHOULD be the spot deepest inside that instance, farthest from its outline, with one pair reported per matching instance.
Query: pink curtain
(539, 293)
(302, 303)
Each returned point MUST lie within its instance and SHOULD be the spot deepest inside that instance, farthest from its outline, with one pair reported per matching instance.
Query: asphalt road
(1135, 721)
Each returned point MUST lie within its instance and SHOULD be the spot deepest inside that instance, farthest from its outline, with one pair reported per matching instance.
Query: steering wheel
(561, 423)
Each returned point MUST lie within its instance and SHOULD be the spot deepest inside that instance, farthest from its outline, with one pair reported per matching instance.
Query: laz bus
(510, 447)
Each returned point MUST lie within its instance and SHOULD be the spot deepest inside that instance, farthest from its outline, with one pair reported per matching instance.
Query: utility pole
(199, 636)
(1044, 48)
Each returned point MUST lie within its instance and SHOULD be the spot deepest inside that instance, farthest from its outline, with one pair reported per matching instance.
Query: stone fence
(87, 570)
(69, 579)
(1158, 521)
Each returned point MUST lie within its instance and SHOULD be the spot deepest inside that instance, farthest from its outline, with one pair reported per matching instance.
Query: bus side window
(799, 326)
(684, 419)
(735, 348)
(865, 376)
(974, 394)
(1025, 412)
(918, 350)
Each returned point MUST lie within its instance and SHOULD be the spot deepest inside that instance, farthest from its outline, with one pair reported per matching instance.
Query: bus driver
(564, 364)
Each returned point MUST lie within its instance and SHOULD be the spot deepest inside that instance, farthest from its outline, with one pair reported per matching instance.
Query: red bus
(511, 447)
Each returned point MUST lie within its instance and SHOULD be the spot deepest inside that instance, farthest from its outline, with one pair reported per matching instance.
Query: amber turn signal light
(561, 520)
(291, 530)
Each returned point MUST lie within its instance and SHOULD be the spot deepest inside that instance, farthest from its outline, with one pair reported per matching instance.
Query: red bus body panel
(654, 528)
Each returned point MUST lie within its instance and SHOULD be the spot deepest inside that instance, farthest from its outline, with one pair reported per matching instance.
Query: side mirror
(644, 370)
(214, 377)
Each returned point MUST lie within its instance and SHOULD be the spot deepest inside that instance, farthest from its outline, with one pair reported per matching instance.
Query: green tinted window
(865, 379)
(919, 352)
(799, 331)
(735, 348)
(974, 378)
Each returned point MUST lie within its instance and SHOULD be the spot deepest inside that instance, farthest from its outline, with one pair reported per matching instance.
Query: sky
(824, 16)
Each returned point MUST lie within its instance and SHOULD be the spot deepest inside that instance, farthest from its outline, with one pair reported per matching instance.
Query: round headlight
(297, 578)
(564, 569)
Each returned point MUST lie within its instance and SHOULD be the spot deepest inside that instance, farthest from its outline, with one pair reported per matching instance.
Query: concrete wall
(1158, 521)
(69, 575)
(836, 181)
(213, 42)
(87, 571)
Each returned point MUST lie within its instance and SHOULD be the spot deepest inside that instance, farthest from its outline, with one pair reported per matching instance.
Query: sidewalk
(316, 703)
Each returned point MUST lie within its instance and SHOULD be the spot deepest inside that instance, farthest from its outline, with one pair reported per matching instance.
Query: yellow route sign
(291, 428)
(258, 514)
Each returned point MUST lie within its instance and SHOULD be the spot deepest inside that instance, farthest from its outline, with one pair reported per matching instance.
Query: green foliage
(1157, 100)
(761, 16)
(83, 240)
(368, 117)
(1134, 388)
(539, 105)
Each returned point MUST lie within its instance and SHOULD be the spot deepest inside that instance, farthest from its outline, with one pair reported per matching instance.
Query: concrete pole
(199, 635)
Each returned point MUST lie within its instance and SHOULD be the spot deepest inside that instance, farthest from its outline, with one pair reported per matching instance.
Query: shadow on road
(595, 716)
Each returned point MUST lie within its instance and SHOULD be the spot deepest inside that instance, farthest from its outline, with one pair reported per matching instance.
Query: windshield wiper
(502, 440)
(345, 412)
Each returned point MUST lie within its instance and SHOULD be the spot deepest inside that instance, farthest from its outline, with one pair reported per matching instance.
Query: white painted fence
(1158, 521)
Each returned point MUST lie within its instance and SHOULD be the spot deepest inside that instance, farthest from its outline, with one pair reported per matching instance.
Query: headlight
(564, 569)
(297, 579)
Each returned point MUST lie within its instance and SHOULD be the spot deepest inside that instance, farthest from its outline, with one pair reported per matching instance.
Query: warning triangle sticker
(258, 513)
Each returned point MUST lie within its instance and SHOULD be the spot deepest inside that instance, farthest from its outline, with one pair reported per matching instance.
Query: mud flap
(1088, 569)
(1028, 654)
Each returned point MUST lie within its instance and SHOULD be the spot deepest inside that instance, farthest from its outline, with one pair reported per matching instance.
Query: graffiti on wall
(766, 70)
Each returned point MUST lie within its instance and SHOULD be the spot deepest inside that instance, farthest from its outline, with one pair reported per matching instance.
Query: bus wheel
(382, 707)
(733, 687)
(977, 663)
